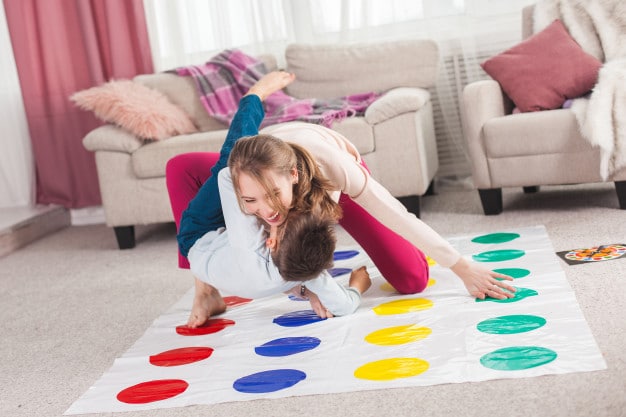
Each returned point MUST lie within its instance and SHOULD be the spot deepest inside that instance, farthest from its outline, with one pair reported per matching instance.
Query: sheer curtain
(17, 177)
(467, 31)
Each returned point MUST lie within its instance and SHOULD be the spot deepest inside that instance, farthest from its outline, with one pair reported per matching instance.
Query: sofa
(395, 135)
(526, 149)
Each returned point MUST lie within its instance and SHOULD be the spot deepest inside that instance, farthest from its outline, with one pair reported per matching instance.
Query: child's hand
(360, 279)
(317, 305)
(270, 83)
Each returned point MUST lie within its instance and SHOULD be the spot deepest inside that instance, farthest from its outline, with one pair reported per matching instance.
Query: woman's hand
(481, 282)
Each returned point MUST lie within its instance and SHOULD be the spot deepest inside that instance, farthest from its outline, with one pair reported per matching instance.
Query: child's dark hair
(306, 246)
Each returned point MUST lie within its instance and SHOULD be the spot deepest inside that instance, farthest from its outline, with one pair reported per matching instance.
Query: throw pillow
(145, 112)
(544, 70)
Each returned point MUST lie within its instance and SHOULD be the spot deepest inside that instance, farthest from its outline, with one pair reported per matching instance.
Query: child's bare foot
(207, 302)
(270, 83)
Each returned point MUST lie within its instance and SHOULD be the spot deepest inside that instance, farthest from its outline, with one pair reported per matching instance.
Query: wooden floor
(23, 225)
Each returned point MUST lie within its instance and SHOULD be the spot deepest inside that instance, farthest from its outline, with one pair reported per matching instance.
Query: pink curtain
(63, 46)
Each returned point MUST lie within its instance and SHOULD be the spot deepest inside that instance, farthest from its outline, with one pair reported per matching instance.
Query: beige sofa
(395, 136)
(525, 150)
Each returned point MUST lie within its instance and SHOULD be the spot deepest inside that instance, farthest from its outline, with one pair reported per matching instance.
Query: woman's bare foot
(207, 302)
(270, 83)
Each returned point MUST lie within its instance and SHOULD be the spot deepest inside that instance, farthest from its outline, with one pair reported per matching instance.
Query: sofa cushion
(143, 111)
(544, 70)
(150, 160)
(328, 71)
(183, 92)
(536, 133)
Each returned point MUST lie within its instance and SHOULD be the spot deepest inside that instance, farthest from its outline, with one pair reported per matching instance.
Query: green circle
(513, 272)
(496, 238)
(511, 324)
(499, 255)
(516, 358)
(520, 294)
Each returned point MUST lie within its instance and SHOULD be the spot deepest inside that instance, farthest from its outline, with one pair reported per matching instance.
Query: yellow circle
(430, 261)
(392, 368)
(398, 335)
(407, 305)
(431, 282)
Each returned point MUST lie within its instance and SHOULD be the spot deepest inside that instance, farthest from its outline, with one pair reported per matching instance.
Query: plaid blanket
(224, 79)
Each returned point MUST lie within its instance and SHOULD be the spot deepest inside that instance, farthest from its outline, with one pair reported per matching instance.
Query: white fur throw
(599, 27)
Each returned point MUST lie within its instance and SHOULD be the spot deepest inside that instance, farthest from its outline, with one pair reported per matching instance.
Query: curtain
(16, 161)
(62, 46)
(467, 31)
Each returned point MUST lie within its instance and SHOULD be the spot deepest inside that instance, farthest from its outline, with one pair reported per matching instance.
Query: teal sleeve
(204, 212)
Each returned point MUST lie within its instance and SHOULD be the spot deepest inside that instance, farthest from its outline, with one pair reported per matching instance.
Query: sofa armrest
(482, 100)
(111, 138)
(396, 102)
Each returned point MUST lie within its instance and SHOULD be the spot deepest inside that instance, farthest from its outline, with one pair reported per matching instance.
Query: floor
(20, 226)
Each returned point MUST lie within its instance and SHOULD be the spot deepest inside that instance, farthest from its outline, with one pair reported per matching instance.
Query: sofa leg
(125, 236)
(491, 200)
(531, 190)
(620, 188)
(412, 203)
(431, 188)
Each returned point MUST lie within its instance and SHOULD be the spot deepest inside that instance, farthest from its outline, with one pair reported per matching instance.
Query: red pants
(400, 263)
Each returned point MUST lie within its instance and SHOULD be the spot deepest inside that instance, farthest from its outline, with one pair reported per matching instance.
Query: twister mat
(276, 347)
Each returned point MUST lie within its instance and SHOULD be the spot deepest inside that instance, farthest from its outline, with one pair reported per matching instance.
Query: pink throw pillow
(145, 112)
(545, 70)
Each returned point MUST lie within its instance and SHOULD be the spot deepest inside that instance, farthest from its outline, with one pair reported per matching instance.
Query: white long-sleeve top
(236, 260)
(340, 162)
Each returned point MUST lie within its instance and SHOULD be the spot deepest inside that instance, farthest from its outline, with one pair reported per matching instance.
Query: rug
(277, 347)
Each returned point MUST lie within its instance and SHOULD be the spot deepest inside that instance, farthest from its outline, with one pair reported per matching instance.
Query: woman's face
(257, 202)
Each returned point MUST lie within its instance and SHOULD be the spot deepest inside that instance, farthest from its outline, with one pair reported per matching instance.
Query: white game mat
(276, 347)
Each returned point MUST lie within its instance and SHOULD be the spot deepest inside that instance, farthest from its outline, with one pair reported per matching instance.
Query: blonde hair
(254, 155)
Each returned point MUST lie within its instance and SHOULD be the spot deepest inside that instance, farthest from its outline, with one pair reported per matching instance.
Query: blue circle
(297, 318)
(286, 346)
(340, 255)
(268, 381)
(335, 272)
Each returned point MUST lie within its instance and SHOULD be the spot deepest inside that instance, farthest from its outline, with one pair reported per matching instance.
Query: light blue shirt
(236, 260)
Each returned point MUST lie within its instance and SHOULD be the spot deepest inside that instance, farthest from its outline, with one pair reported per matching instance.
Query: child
(238, 259)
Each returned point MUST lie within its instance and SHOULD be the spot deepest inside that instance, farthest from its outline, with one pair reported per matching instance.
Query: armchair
(526, 149)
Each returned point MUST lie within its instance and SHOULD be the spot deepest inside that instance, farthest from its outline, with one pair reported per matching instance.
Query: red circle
(181, 356)
(147, 392)
(211, 326)
(233, 300)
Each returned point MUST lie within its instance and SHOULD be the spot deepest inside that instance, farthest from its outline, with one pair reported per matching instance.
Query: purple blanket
(224, 79)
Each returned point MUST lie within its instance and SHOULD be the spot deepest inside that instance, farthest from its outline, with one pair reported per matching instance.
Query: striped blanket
(224, 79)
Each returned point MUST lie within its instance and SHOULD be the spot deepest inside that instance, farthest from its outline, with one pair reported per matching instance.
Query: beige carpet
(72, 303)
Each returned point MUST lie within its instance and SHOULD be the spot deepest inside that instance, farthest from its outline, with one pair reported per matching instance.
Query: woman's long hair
(255, 155)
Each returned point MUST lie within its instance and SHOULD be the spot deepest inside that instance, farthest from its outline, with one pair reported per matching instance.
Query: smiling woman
(256, 196)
